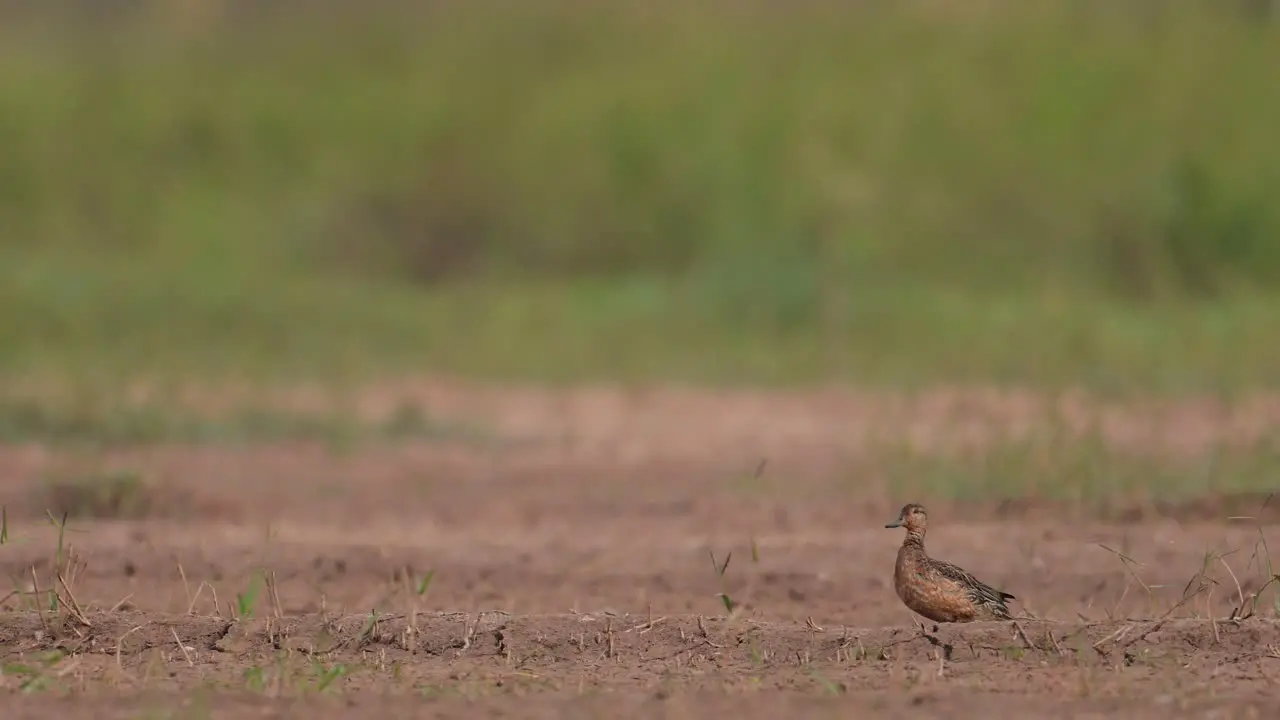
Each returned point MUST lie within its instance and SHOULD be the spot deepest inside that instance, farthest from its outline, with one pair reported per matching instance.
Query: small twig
(1054, 641)
(182, 647)
(72, 605)
(1111, 612)
(1239, 590)
(1023, 635)
(186, 588)
(35, 585)
(191, 606)
(1188, 594)
(1137, 638)
(467, 632)
(646, 626)
(120, 645)
(1115, 636)
(274, 588)
(1128, 564)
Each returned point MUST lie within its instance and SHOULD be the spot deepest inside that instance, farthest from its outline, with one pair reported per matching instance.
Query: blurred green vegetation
(1052, 192)
(1085, 471)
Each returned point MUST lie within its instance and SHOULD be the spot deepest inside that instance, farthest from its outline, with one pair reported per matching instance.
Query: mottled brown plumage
(939, 590)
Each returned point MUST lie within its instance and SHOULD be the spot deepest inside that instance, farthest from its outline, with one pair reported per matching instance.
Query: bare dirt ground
(570, 565)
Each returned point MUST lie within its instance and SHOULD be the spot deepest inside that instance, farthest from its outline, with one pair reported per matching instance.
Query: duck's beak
(895, 524)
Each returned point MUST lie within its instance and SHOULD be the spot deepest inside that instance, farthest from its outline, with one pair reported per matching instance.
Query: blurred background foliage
(1059, 192)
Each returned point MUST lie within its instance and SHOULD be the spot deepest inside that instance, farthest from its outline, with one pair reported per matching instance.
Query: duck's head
(913, 517)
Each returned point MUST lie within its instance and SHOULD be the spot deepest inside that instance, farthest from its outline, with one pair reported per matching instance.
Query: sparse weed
(37, 674)
(829, 686)
(719, 569)
(424, 583)
(1011, 652)
(255, 678)
(1268, 579)
(324, 677)
(247, 601)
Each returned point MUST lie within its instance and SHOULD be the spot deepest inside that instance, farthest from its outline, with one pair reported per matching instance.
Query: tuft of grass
(38, 674)
(1203, 582)
(247, 601)
(255, 678)
(1260, 557)
(424, 583)
(326, 676)
(54, 597)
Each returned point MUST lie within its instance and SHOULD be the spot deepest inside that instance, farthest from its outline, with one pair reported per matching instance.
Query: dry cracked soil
(568, 564)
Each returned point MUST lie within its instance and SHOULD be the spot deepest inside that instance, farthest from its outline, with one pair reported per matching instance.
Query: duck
(937, 590)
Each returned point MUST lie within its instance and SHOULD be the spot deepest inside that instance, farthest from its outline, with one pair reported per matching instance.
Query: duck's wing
(981, 591)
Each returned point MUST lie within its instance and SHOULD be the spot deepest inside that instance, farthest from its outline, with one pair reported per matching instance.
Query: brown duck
(939, 590)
